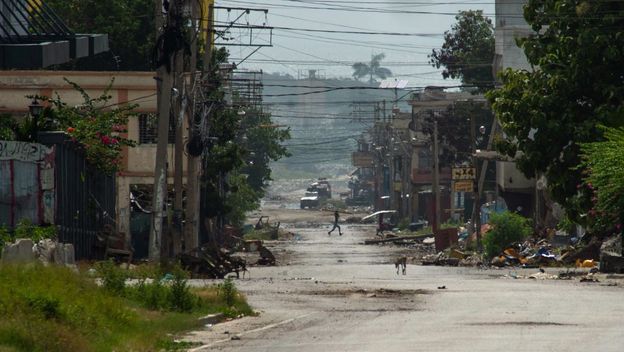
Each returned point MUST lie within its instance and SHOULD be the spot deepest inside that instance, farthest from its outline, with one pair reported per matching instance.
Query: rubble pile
(535, 253)
(212, 262)
(453, 257)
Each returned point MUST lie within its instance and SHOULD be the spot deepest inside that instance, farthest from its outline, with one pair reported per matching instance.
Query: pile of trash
(535, 253)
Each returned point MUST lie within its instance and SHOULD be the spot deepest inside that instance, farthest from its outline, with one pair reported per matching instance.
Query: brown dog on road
(401, 262)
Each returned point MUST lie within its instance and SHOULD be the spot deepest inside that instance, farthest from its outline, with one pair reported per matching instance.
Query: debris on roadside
(212, 262)
(611, 260)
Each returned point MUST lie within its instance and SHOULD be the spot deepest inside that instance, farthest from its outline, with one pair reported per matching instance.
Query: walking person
(336, 216)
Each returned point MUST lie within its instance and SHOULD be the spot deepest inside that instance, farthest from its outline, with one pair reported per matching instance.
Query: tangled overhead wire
(172, 40)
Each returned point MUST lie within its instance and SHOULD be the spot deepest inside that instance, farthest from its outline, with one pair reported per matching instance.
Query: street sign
(463, 186)
(464, 173)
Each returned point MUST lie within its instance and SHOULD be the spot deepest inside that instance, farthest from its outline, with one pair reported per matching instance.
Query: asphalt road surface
(331, 293)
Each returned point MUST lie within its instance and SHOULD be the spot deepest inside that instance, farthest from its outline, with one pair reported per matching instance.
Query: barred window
(148, 129)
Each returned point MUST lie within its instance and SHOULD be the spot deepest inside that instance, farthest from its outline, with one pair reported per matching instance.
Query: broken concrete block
(66, 254)
(45, 251)
(19, 252)
(611, 263)
(612, 244)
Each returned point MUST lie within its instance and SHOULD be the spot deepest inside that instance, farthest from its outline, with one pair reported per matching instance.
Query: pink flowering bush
(97, 125)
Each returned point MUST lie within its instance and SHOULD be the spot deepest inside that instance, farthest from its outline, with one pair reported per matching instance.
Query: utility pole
(436, 177)
(384, 110)
(176, 230)
(191, 228)
(476, 217)
(164, 85)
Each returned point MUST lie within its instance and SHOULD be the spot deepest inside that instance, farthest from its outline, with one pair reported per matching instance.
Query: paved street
(334, 294)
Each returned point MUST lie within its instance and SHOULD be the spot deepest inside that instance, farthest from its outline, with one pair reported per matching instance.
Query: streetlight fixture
(35, 110)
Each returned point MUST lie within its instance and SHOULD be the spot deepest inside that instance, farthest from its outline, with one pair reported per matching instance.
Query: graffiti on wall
(22, 151)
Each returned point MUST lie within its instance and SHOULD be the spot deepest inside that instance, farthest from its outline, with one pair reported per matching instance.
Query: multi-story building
(519, 193)
(136, 175)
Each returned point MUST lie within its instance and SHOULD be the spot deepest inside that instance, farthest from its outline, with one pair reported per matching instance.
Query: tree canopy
(128, 23)
(372, 69)
(468, 50)
(546, 113)
(238, 150)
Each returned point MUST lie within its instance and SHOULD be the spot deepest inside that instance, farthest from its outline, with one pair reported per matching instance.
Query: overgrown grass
(262, 234)
(56, 309)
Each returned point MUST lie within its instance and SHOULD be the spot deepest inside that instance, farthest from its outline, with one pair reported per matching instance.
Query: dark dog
(401, 262)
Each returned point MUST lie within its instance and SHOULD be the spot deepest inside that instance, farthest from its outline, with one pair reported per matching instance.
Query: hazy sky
(333, 53)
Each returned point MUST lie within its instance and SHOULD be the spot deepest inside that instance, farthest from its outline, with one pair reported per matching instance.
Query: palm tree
(371, 69)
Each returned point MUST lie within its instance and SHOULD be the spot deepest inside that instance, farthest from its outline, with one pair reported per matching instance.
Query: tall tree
(372, 69)
(128, 23)
(262, 141)
(468, 50)
(577, 49)
(237, 153)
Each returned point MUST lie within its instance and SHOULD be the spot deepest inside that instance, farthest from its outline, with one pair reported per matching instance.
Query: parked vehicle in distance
(323, 188)
(310, 200)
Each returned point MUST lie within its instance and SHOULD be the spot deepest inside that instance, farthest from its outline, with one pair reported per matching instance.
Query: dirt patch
(378, 293)
(375, 310)
(521, 323)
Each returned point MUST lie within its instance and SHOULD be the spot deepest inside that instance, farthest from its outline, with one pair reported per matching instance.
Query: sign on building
(464, 173)
(463, 186)
(362, 159)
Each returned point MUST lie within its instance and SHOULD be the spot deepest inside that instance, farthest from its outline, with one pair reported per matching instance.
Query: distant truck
(323, 188)
(310, 200)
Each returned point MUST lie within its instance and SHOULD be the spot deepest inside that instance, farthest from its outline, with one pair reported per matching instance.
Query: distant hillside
(324, 121)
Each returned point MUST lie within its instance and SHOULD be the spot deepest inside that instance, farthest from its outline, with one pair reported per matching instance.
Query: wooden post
(164, 85)
(436, 177)
(191, 228)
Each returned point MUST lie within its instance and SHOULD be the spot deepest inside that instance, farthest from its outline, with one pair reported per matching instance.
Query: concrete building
(519, 192)
(128, 87)
(432, 103)
(510, 25)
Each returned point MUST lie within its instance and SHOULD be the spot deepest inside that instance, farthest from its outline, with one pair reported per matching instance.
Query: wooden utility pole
(178, 184)
(476, 211)
(191, 228)
(164, 84)
(436, 177)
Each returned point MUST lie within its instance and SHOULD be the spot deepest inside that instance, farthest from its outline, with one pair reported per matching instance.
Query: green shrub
(507, 229)
(403, 224)
(5, 237)
(228, 291)
(113, 278)
(169, 293)
(180, 297)
(45, 304)
(26, 229)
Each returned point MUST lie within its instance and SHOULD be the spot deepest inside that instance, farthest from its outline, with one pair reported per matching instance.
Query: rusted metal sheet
(20, 187)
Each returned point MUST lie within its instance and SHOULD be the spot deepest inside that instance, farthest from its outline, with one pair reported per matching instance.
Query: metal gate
(85, 197)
